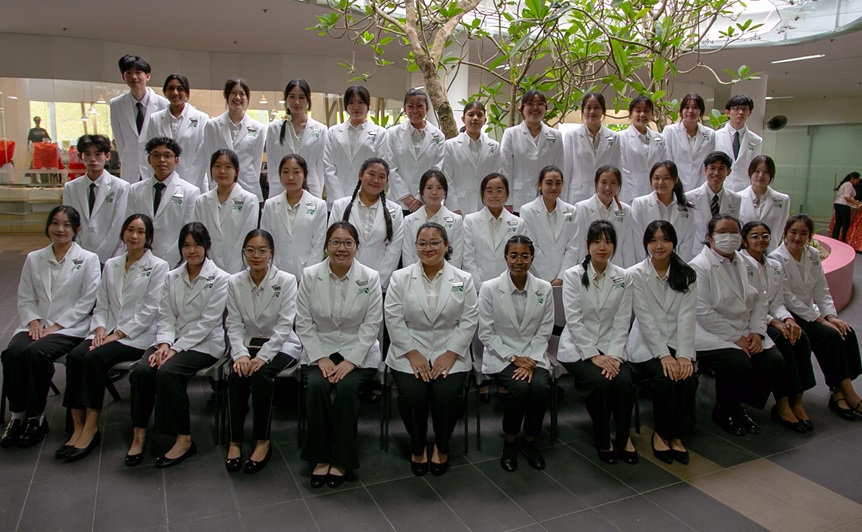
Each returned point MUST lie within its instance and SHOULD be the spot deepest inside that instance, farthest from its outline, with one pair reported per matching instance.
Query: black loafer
(665, 456)
(438, 470)
(797, 426)
(77, 453)
(133, 460)
(252, 467)
(34, 433)
(747, 423)
(509, 460)
(608, 457)
(61, 453)
(318, 481)
(533, 456)
(233, 464)
(844, 413)
(419, 468)
(334, 481)
(12, 434)
(680, 456)
(629, 457)
(163, 461)
(727, 422)
(809, 426)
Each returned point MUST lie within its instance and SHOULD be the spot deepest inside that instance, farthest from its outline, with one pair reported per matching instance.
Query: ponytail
(679, 192)
(585, 278)
(681, 275)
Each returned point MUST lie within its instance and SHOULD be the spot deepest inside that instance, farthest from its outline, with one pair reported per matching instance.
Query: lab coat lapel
(505, 299)
(323, 295)
(464, 141)
(354, 285)
(199, 284)
(419, 289)
(130, 109)
(184, 124)
(532, 301)
(271, 291)
(168, 195)
(243, 131)
(446, 287)
(224, 127)
(102, 192)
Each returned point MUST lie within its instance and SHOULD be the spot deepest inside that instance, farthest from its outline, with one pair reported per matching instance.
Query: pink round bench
(839, 269)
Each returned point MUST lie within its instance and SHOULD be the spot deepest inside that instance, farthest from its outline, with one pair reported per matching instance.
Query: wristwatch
(512, 359)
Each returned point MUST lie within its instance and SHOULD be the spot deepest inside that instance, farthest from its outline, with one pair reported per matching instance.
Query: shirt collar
(664, 278)
(360, 127)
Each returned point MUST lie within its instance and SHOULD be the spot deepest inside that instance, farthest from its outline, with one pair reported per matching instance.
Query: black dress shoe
(61, 453)
(78, 453)
(533, 456)
(373, 398)
(797, 426)
(727, 422)
(233, 464)
(438, 470)
(809, 426)
(844, 413)
(665, 456)
(509, 460)
(419, 468)
(629, 457)
(334, 481)
(163, 461)
(747, 423)
(133, 460)
(318, 481)
(680, 456)
(252, 467)
(608, 457)
(34, 432)
(12, 434)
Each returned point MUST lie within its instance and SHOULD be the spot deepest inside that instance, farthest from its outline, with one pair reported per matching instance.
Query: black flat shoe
(485, 397)
(844, 413)
(809, 426)
(680, 456)
(334, 481)
(163, 461)
(797, 426)
(629, 457)
(233, 464)
(438, 470)
(61, 453)
(12, 434)
(77, 453)
(727, 422)
(34, 432)
(665, 456)
(509, 460)
(533, 456)
(133, 460)
(318, 481)
(252, 467)
(747, 423)
(419, 468)
(608, 457)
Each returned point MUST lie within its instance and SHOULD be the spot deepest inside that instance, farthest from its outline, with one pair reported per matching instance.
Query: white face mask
(727, 242)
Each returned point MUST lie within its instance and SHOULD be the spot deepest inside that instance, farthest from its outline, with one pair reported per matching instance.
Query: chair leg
(54, 388)
(115, 395)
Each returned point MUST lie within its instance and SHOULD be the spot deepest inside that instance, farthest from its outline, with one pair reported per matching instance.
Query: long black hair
(680, 275)
(292, 84)
(597, 230)
(678, 190)
(848, 177)
(386, 217)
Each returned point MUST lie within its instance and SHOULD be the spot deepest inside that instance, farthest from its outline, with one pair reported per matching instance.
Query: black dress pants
(332, 423)
(838, 357)
(740, 379)
(843, 214)
(165, 388)
(443, 397)
(87, 372)
(604, 397)
(28, 367)
(797, 363)
(671, 400)
(526, 402)
(259, 386)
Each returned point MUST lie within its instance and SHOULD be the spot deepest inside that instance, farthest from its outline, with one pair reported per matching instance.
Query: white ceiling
(244, 27)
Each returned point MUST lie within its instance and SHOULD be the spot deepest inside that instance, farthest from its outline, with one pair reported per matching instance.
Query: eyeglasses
(252, 252)
(523, 257)
(348, 244)
(421, 244)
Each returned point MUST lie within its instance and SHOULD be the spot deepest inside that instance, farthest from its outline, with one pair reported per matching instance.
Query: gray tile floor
(576, 491)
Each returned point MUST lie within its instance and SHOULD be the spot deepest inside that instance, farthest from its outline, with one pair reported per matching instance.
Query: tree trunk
(438, 96)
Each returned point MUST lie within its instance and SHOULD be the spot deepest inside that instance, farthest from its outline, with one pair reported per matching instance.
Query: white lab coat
(134, 307)
(750, 144)
(374, 251)
(451, 222)
(770, 279)
(809, 298)
(582, 161)
(190, 136)
(701, 197)
(176, 209)
(774, 210)
(596, 320)
(190, 317)
(405, 166)
(133, 159)
(555, 248)
(274, 319)
(645, 210)
(100, 230)
(66, 301)
(483, 254)
(311, 145)
(248, 147)
(465, 174)
(355, 336)
(637, 161)
(724, 314)
(227, 236)
(689, 154)
(664, 318)
(432, 332)
(342, 166)
(523, 159)
(299, 244)
(628, 242)
(499, 330)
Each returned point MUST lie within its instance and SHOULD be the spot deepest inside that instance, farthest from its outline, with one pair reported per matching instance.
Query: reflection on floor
(777, 480)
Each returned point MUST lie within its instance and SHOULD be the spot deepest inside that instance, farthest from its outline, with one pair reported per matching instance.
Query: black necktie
(157, 199)
(139, 117)
(91, 197)
(713, 206)
(735, 144)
